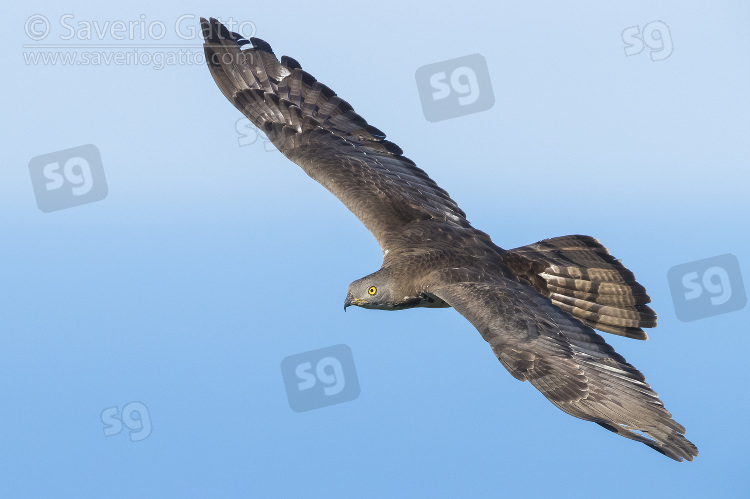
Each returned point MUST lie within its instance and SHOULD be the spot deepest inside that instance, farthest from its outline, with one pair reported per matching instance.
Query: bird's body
(535, 305)
(425, 248)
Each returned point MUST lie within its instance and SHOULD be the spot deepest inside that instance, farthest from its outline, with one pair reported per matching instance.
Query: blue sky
(209, 262)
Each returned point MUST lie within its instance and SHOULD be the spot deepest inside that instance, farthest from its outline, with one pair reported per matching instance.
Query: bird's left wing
(564, 359)
(319, 131)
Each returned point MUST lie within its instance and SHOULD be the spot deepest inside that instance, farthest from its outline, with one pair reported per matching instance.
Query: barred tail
(580, 276)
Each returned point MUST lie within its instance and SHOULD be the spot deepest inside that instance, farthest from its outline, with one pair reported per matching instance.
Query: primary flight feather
(535, 305)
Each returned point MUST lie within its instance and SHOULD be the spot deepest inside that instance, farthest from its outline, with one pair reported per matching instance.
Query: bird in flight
(537, 305)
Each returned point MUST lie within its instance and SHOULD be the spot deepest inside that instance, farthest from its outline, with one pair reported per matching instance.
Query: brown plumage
(535, 305)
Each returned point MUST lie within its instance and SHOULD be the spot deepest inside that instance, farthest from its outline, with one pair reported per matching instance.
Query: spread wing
(320, 132)
(563, 358)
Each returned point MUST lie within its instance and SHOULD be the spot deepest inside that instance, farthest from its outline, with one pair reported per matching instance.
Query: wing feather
(323, 134)
(563, 358)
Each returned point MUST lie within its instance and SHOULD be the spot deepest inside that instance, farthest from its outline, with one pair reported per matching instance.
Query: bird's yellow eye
(372, 290)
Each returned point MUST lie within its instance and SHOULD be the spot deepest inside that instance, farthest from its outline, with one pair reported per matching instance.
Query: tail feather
(580, 276)
(604, 299)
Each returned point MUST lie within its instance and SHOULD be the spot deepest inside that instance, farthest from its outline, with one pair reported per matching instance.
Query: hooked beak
(350, 300)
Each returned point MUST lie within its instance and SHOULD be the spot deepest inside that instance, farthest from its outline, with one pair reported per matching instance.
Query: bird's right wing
(319, 131)
(563, 358)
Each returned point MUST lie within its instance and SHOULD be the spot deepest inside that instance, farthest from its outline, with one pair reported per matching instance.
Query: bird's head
(372, 291)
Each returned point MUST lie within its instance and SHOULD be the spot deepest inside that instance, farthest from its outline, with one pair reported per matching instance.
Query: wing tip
(675, 446)
(214, 32)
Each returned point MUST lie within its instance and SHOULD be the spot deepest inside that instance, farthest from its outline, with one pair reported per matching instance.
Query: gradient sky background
(208, 263)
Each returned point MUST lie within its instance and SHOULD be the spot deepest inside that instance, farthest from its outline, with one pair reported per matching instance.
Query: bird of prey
(537, 305)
